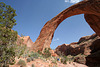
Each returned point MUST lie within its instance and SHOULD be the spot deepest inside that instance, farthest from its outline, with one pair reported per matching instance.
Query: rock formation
(91, 11)
(61, 49)
(93, 59)
(83, 46)
(88, 45)
(25, 40)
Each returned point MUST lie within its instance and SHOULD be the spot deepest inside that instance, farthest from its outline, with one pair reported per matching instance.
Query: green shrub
(34, 55)
(33, 65)
(28, 59)
(64, 59)
(54, 61)
(20, 50)
(21, 63)
(42, 58)
(32, 58)
(70, 58)
(54, 65)
(69, 62)
(46, 53)
(39, 52)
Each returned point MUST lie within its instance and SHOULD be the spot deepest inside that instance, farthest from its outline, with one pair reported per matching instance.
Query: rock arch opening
(70, 30)
(84, 7)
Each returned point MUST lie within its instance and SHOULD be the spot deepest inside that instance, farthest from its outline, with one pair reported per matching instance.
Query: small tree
(46, 53)
(22, 35)
(7, 35)
(21, 63)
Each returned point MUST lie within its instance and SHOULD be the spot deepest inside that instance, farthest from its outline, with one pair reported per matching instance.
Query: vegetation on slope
(7, 35)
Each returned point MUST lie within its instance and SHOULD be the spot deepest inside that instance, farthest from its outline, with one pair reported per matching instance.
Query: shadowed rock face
(93, 60)
(86, 45)
(91, 11)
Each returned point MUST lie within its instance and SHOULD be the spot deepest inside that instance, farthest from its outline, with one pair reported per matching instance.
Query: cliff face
(88, 45)
(82, 46)
(25, 40)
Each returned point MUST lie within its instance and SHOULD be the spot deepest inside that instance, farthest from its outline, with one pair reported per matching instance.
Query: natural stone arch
(91, 10)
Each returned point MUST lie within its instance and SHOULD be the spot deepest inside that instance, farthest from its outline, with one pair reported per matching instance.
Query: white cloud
(66, 0)
(56, 39)
(72, 1)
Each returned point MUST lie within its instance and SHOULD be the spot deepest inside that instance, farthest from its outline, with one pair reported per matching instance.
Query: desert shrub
(20, 50)
(46, 53)
(80, 59)
(21, 63)
(32, 58)
(54, 65)
(22, 35)
(39, 52)
(28, 59)
(70, 58)
(64, 59)
(34, 55)
(25, 55)
(33, 65)
(42, 58)
(54, 61)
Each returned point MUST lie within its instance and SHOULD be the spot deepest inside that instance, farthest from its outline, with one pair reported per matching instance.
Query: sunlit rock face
(91, 11)
(25, 40)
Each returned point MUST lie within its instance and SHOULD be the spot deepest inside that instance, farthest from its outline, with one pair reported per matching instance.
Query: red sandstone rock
(83, 46)
(88, 45)
(24, 41)
(91, 11)
(53, 53)
(61, 49)
(73, 43)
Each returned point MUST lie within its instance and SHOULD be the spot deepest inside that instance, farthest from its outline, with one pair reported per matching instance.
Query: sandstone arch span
(91, 11)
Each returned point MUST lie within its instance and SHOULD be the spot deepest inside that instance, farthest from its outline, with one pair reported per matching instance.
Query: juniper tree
(7, 35)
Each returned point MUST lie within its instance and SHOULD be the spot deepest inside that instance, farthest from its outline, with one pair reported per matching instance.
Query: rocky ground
(48, 63)
(83, 53)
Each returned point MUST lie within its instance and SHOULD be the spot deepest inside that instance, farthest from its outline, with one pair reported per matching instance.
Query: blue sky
(33, 14)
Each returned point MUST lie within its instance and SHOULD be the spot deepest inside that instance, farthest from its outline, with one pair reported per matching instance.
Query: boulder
(80, 59)
(53, 53)
(61, 49)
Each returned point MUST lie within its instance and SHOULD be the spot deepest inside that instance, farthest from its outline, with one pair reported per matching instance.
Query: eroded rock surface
(84, 46)
(25, 40)
(88, 45)
(93, 60)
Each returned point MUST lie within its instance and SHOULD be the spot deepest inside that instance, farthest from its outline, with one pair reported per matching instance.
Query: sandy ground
(41, 63)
